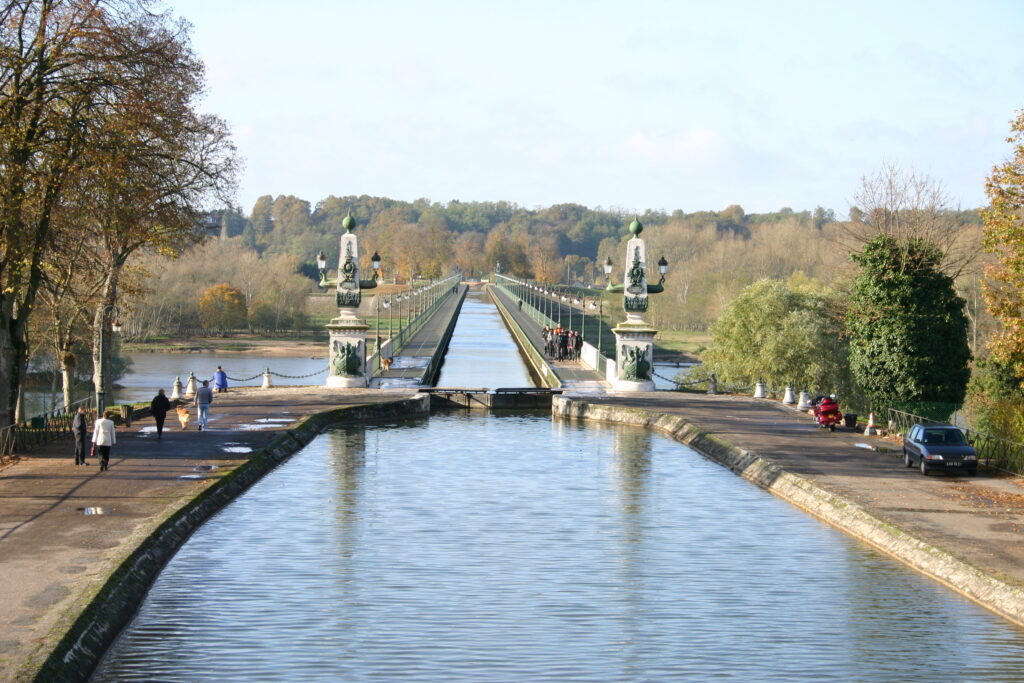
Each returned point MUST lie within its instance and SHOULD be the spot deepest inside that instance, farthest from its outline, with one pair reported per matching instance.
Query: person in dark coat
(78, 428)
(159, 407)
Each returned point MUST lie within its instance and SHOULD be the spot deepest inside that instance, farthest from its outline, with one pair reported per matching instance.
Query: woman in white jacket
(104, 436)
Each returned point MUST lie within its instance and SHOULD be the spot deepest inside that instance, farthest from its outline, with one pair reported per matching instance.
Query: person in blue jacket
(220, 380)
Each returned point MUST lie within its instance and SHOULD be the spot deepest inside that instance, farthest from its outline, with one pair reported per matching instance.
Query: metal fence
(42, 429)
(993, 452)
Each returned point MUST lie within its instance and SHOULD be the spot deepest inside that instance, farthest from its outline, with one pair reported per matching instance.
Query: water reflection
(476, 547)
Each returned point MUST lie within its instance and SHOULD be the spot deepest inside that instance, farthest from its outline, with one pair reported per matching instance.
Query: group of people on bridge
(562, 344)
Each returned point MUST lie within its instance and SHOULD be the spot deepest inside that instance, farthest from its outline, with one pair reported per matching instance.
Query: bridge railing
(443, 289)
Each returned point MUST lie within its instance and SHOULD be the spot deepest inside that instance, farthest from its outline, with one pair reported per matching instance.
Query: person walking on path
(204, 397)
(220, 380)
(159, 406)
(104, 436)
(79, 429)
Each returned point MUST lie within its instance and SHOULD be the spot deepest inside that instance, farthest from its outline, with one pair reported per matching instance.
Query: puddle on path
(274, 419)
(191, 476)
(205, 468)
(93, 511)
(236, 449)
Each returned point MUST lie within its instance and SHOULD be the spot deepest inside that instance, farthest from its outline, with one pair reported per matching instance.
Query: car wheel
(831, 428)
(972, 471)
(906, 459)
(924, 466)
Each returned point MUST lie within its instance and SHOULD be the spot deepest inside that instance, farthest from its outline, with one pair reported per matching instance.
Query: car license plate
(954, 463)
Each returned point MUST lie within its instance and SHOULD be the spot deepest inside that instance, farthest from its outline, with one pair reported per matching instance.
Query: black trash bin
(850, 420)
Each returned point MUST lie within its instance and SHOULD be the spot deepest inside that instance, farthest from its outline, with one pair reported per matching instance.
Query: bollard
(805, 401)
(176, 390)
(266, 380)
(190, 387)
(713, 385)
(789, 399)
(759, 391)
(871, 430)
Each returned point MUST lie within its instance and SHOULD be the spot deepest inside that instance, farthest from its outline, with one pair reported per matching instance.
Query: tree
(909, 209)
(1004, 237)
(96, 101)
(60, 62)
(782, 335)
(153, 163)
(908, 329)
(222, 308)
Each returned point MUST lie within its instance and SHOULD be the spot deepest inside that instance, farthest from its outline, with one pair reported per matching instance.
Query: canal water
(474, 547)
(482, 354)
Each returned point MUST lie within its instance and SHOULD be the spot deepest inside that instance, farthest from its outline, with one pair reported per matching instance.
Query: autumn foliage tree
(222, 308)
(1004, 237)
(99, 139)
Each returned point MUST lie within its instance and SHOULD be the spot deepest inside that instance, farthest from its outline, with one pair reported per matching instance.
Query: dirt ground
(273, 348)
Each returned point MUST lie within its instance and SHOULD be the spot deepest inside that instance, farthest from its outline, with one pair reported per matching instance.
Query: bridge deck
(576, 377)
(413, 359)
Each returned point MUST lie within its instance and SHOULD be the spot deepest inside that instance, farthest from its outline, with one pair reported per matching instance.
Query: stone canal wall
(983, 588)
(107, 611)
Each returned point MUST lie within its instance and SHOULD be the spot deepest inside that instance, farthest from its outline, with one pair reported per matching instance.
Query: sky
(622, 105)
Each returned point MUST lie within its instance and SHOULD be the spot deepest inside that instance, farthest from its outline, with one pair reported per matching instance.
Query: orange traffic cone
(871, 430)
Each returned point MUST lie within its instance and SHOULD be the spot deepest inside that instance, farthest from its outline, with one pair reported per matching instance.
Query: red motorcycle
(826, 413)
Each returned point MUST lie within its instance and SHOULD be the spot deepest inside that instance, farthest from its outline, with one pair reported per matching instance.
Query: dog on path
(183, 417)
(386, 363)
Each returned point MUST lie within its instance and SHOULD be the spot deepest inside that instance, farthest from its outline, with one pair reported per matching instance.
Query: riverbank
(302, 347)
(81, 548)
(964, 532)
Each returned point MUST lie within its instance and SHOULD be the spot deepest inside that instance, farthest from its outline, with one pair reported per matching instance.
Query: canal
(471, 547)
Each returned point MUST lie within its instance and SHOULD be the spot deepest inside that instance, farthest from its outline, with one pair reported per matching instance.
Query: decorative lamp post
(634, 338)
(321, 266)
(101, 370)
(347, 365)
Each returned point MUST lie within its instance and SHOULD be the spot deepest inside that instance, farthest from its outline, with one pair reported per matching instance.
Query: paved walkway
(576, 377)
(53, 554)
(408, 367)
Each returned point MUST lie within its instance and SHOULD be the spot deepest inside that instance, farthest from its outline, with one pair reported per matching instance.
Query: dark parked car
(938, 447)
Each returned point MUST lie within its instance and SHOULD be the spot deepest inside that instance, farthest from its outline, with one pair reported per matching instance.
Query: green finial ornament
(348, 222)
(635, 227)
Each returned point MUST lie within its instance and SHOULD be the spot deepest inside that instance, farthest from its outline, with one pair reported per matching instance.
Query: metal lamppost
(600, 313)
(376, 320)
(101, 384)
(583, 313)
(321, 267)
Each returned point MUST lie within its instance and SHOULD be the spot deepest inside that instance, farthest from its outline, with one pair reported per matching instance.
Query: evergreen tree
(908, 329)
